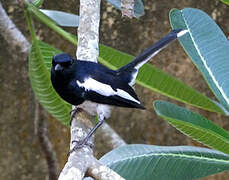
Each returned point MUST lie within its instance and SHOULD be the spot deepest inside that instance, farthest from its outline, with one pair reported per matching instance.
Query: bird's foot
(73, 112)
(81, 144)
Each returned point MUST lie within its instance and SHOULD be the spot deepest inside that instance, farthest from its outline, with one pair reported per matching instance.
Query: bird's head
(61, 62)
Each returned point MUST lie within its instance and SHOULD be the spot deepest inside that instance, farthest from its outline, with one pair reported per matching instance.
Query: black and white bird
(79, 82)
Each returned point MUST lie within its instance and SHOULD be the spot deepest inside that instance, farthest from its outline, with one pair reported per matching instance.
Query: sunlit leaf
(208, 48)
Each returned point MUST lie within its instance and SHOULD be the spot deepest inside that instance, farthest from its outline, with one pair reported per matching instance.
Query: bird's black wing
(104, 86)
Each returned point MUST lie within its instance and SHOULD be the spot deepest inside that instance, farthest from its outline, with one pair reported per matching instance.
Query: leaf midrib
(204, 62)
(187, 124)
(176, 155)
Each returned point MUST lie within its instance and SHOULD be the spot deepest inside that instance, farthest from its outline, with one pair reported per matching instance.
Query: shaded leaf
(148, 162)
(40, 57)
(194, 125)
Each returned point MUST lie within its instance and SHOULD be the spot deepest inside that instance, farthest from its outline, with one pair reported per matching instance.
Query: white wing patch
(104, 89)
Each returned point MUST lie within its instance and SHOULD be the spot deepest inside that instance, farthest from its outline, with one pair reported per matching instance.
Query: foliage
(225, 1)
(146, 162)
(194, 125)
(149, 162)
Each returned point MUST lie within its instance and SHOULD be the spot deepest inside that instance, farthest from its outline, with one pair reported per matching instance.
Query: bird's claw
(73, 112)
(80, 144)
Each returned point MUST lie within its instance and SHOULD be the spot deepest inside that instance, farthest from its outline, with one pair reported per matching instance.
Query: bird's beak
(58, 67)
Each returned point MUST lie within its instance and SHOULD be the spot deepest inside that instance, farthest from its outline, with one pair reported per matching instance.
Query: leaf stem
(30, 25)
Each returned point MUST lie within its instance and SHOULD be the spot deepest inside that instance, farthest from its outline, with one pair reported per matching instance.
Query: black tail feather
(147, 54)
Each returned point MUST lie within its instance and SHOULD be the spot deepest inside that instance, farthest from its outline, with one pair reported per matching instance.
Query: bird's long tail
(150, 52)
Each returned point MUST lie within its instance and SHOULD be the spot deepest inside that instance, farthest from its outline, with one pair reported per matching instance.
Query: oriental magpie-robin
(79, 81)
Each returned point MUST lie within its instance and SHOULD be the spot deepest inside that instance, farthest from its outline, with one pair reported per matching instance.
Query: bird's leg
(83, 142)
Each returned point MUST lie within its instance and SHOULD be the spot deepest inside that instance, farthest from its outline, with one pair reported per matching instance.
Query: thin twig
(46, 145)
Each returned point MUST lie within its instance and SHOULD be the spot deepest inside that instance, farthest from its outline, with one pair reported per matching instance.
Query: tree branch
(109, 136)
(40, 127)
(88, 31)
(100, 172)
(82, 161)
(11, 34)
(78, 161)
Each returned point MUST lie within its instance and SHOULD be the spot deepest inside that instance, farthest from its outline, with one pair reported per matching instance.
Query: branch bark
(82, 161)
(109, 136)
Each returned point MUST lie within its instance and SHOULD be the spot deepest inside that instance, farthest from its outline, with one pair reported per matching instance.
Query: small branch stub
(127, 8)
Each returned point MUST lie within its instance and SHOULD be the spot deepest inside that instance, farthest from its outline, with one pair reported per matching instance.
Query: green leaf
(62, 18)
(156, 80)
(225, 1)
(194, 125)
(40, 57)
(138, 6)
(208, 48)
(147, 162)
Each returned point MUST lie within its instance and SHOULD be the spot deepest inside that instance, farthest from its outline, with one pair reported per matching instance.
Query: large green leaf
(40, 57)
(194, 125)
(208, 48)
(148, 162)
(156, 80)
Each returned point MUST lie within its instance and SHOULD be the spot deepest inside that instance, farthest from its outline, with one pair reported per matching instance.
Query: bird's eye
(66, 64)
